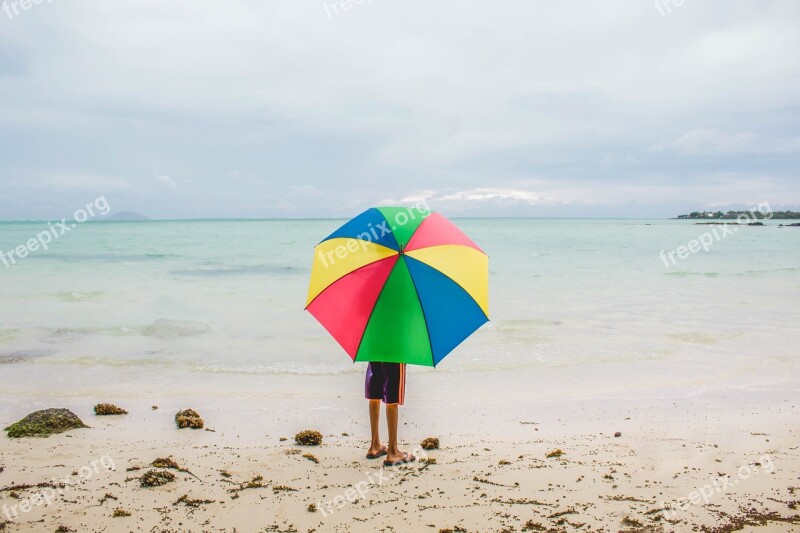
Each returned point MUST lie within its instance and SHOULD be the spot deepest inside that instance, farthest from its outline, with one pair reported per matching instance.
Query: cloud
(87, 181)
(484, 194)
(169, 181)
(711, 141)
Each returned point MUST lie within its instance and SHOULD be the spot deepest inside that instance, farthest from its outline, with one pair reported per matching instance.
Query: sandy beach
(714, 462)
(601, 397)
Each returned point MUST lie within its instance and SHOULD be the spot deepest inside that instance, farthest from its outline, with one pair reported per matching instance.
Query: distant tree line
(781, 215)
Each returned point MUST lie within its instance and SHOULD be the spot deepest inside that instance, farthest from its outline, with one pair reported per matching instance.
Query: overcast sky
(263, 108)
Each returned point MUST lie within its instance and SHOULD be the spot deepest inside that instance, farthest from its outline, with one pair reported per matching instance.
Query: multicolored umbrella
(399, 285)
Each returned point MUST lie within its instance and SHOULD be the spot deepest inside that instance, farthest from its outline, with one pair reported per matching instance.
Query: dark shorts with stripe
(386, 381)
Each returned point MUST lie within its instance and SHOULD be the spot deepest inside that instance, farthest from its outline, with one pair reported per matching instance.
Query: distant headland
(779, 215)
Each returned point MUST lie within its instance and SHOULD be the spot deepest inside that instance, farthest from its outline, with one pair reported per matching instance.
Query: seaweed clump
(120, 512)
(256, 483)
(555, 453)
(106, 409)
(189, 502)
(431, 443)
(169, 462)
(308, 437)
(45, 423)
(156, 478)
(530, 525)
(166, 462)
(189, 418)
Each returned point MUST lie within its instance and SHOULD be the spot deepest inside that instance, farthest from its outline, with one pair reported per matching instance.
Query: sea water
(579, 309)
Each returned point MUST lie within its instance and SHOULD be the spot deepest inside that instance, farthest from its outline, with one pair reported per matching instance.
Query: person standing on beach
(386, 382)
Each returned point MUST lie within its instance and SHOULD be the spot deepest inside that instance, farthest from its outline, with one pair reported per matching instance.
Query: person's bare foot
(398, 458)
(376, 451)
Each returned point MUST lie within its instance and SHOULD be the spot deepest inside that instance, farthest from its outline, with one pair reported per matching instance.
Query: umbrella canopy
(399, 285)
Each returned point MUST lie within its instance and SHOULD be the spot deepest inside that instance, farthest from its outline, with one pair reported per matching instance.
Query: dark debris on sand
(169, 462)
(430, 443)
(108, 409)
(255, 483)
(107, 497)
(189, 502)
(750, 517)
(308, 437)
(156, 478)
(189, 418)
(45, 423)
(530, 525)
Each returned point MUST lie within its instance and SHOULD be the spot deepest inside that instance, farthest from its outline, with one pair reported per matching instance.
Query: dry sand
(492, 472)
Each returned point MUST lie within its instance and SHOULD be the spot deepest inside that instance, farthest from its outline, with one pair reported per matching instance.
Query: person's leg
(395, 392)
(392, 417)
(394, 455)
(374, 424)
(373, 390)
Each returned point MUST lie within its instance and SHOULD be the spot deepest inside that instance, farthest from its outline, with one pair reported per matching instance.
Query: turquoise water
(578, 307)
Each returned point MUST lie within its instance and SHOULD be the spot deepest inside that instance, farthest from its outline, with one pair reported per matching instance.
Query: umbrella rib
(378, 299)
(422, 307)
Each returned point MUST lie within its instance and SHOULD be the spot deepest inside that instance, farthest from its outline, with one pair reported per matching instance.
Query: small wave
(75, 296)
(169, 366)
(22, 356)
(8, 334)
(102, 258)
(701, 338)
(169, 329)
(109, 361)
(479, 364)
(744, 273)
(683, 274)
(523, 325)
(240, 271)
(767, 271)
(308, 369)
(61, 334)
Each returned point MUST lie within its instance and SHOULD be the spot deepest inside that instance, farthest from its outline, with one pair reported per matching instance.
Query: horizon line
(254, 219)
